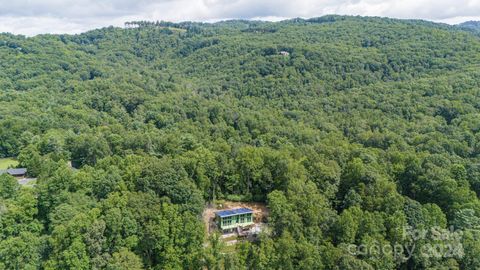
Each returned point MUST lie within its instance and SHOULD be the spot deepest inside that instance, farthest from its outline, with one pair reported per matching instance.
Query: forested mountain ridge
(475, 25)
(366, 126)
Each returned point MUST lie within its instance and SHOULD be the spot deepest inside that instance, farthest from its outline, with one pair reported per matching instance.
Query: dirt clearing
(260, 212)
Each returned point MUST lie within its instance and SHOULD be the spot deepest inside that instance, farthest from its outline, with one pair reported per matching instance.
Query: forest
(354, 131)
(472, 25)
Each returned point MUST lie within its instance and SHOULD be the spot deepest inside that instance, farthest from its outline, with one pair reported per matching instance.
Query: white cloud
(32, 17)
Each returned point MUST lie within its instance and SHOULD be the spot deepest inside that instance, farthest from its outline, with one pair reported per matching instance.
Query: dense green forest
(475, 25)
(365, 127)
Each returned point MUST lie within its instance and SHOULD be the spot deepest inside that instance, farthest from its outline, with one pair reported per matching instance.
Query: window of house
(227, 221)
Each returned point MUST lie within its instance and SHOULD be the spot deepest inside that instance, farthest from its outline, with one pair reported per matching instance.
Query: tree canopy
(350, 129)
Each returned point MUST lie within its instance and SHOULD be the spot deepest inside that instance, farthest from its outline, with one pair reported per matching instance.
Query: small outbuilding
(234, 218)
(18, 173)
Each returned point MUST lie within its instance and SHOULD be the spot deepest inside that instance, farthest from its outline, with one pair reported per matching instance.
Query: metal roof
(234, 212)
(20, 171)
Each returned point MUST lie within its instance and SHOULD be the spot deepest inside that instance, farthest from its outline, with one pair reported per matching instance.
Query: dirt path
(208, 218)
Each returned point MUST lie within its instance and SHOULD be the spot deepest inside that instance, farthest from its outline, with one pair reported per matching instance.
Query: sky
(32, 17)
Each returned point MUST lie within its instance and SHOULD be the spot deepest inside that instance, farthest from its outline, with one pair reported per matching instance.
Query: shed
(20, 172)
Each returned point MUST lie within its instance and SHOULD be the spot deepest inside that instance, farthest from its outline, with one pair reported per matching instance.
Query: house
(229, 220)
(18, 173)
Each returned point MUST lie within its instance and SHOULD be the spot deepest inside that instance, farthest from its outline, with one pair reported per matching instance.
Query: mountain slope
(475, 25)
(351, 129)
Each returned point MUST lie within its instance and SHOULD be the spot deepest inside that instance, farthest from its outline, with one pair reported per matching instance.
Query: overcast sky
(31, 17)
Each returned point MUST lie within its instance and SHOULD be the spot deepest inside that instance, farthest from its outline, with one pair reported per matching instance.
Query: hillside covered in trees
(361, 128)
(471, 25)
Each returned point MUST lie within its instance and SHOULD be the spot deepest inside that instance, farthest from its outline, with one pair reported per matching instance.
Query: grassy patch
(233, 237)
(229, 249)
(6, 163)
